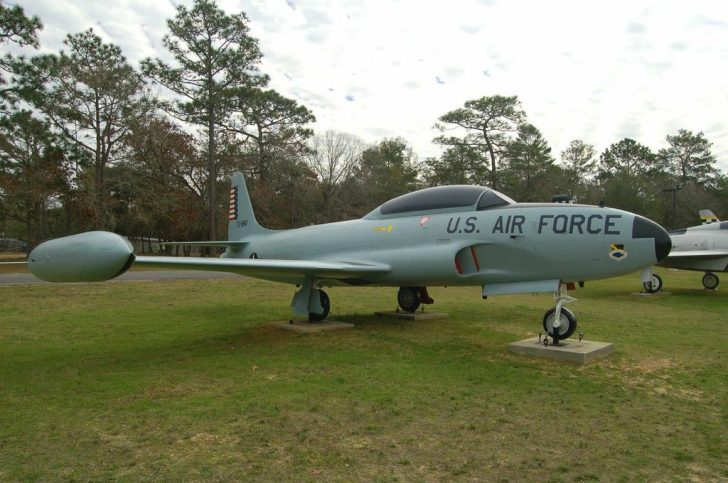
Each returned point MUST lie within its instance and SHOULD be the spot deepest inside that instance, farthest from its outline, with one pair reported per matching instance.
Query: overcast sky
(596, 71)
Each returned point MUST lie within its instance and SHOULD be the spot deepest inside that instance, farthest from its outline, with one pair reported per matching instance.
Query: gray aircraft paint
(701, 248)
(515, 248)
(423, 252)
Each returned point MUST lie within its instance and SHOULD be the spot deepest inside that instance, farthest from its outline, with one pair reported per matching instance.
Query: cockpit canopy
(441, 199)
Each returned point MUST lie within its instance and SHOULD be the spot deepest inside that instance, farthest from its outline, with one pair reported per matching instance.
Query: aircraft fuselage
(707, 240)
(501, 245)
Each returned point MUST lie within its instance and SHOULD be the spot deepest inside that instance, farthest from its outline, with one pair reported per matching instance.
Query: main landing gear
(410, 298)
(653, 285)
(560, 322)
(311, 301)
(315, 303)
(325, 305)
(710, 281)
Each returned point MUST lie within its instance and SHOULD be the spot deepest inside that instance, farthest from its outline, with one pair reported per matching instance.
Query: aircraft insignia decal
(617, 252)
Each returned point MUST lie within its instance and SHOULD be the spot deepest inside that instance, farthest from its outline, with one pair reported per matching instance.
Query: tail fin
(241, 219)
(707, 217)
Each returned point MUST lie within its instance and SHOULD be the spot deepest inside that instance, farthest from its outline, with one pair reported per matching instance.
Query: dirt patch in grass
(648, 366)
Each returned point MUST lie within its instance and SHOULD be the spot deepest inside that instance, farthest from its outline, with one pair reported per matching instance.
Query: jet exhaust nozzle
(93, 256)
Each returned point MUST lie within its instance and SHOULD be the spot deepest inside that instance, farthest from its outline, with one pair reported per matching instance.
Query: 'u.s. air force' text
(561, 224)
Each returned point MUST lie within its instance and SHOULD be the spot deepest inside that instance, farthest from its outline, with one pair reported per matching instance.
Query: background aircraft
(447, 235)
(703, 248)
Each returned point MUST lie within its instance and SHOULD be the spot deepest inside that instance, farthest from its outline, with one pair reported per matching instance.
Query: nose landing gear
(654, 284)
(560, 322)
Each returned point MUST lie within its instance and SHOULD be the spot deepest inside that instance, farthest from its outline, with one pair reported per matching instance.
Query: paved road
(27, 278)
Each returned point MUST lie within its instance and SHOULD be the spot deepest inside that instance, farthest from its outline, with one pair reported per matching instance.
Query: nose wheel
(560, 322)
(566, 325)
(654, 285)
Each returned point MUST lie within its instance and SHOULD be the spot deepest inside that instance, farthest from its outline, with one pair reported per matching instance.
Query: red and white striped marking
(233, 211)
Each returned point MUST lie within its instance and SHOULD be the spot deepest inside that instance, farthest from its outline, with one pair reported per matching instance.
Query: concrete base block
(574, 351)
(412, 315)
(647, 294)
(311, 327)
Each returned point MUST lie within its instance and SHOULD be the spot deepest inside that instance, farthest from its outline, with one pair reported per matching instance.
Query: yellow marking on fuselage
(383, 229)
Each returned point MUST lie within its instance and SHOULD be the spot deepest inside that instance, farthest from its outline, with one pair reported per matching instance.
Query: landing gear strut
(560, 322)
(710, 281)
(311, 301)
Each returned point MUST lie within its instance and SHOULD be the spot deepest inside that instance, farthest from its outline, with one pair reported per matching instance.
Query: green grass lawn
(185, 380)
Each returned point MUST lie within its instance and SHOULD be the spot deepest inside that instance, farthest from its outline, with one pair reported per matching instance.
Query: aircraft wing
(263, 267)
(98, 256)
(698, 254)
(223, 243)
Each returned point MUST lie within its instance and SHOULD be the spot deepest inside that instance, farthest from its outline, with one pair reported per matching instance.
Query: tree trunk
(99, 196)
(493, 175)
(262, 162)
(212, 168)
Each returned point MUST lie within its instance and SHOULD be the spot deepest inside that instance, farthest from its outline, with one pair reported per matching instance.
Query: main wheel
(710, 281)
(654, 285)
(409, 298)
(325, 304)
(568, 323)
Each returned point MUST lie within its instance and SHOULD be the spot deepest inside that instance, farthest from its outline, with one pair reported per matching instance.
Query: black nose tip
(644, 228)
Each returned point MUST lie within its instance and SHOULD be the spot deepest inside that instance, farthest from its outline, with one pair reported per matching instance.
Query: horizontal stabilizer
(707, 217)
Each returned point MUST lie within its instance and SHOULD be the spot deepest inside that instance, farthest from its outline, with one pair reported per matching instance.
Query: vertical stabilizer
(707, 217)
(241, 219)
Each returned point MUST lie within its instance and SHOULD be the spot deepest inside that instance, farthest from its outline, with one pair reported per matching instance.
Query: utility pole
(674, 191)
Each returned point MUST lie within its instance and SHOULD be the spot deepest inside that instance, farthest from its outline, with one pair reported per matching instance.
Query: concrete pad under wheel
(574, 351)
(412, 315)
(311, 327)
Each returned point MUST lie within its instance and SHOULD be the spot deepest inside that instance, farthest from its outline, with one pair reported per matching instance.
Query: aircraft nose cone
(644, 228)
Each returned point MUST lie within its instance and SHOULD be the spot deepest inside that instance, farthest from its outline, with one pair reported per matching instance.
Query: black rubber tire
(568, 323)
(710, 281)
(325, 304)
(654, 285)
(409, 298)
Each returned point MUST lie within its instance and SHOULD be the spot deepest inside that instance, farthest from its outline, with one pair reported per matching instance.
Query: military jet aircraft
(702, 248)
(441, 236)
